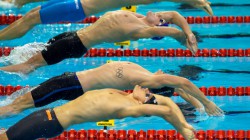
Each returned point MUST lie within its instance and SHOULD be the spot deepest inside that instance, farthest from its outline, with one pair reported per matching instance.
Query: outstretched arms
(164, 112)
(188, 41)
(179, 20)
(185, 37)
(190, 99)
(201, 4)
(158, 81)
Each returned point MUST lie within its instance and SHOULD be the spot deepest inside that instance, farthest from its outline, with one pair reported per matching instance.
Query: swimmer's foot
(188, 132)
(9, 1)
(2, 130)
(7, 111)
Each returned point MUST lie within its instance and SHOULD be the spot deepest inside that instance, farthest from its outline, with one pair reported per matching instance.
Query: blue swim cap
(159, 38)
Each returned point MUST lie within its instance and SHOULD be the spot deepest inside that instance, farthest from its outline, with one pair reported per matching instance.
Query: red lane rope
(93, 134)
(110, 52)
(208, 91)
(8, 19)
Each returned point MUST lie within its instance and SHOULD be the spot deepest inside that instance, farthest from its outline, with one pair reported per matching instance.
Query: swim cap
(159, 38)
(151, 100)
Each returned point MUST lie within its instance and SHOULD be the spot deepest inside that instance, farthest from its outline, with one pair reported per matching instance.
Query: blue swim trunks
(62, 10)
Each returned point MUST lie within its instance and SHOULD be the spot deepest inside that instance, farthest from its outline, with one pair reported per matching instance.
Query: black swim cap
(164, 91)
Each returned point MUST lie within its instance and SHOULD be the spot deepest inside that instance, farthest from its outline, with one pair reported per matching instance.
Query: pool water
(42, 33)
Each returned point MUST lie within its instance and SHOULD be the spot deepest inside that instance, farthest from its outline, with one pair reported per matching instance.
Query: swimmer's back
(94, 105)
(112, 75)
(112, 27)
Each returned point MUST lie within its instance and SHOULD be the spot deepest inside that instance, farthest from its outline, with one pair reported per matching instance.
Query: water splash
(13, 96)
(22, 53)
(6, 5)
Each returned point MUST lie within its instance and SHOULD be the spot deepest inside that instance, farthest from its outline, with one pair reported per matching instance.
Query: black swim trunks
(40, 124)
(66, 45)
(65, 86)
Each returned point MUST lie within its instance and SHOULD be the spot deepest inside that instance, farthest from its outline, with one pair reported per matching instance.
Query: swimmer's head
(143, 95)
(154, 19)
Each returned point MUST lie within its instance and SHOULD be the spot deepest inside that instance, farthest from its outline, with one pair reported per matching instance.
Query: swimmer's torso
(112, 27)
(118, 75)
(94, 106)
(96, 6)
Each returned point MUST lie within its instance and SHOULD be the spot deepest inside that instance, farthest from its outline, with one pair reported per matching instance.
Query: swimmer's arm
(136, 14)
(143, 110)
(176, 18)
(20, 3)
(161, 32)
(169, 114)
(188, 98)
(159, 81)
(201, 4)
(117, 91)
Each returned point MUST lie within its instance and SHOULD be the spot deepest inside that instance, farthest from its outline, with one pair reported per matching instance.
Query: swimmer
(91, 106)
(118, 75)
(76, 10)
(112, 27)
(20, 3)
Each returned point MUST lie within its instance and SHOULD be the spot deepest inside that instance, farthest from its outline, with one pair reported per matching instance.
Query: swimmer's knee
(35, 9)
(22, 102)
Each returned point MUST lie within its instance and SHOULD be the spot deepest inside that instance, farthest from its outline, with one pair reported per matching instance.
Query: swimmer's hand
(213, 110)
(201, 4)
(187, 40)
(188, 132)
(191, 43)
(201, 110)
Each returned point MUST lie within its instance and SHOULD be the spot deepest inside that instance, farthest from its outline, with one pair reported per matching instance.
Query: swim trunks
(40, 124)
(66, 45)
(62, 10)
(164, 91)
(65, 86)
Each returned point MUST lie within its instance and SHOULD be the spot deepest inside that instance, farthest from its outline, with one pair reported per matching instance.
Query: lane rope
(154, 52)
(208, 91)
(10, 18)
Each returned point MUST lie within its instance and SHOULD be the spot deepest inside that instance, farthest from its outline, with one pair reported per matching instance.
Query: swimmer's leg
(21, 26)
(20, 3)
(40, 124)
(65, 86)
(3, 136)
(34, 62)
(18, 105)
